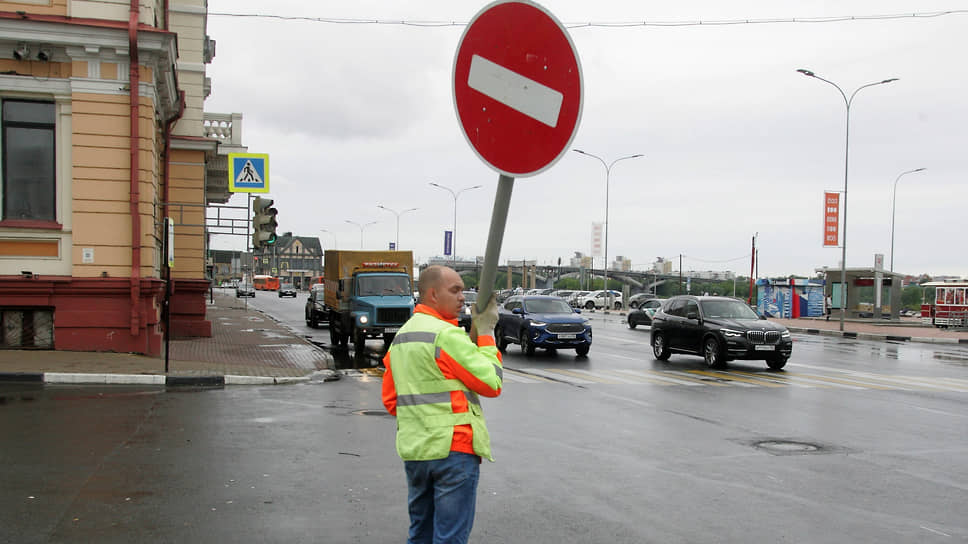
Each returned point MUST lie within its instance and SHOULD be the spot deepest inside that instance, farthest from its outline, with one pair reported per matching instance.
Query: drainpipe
(134, 82)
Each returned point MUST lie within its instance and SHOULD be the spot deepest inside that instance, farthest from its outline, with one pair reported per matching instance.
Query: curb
(145, 379)
(878, 337)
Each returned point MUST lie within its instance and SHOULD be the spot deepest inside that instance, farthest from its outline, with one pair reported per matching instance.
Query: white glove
(484, 321)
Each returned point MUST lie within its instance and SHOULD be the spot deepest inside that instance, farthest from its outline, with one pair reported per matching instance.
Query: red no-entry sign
(517, 87)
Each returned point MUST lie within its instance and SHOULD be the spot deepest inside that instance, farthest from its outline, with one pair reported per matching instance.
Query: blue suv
(538, 321)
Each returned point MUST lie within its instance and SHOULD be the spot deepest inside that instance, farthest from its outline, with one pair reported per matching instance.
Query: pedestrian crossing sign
(248, 173)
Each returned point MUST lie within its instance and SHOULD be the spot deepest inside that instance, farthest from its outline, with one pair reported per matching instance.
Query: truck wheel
(387, 340)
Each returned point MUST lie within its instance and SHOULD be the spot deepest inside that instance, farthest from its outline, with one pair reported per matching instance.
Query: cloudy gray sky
(736, 142)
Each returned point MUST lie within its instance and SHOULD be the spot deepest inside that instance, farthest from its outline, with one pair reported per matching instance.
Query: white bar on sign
(515, 91)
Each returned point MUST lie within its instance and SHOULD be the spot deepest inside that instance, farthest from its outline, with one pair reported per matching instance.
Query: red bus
(950, 305)
(265, 283)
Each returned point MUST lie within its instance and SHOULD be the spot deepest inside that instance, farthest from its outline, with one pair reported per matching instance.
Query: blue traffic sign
(248, 173)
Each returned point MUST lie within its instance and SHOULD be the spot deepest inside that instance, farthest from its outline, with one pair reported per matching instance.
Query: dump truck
(367, 294)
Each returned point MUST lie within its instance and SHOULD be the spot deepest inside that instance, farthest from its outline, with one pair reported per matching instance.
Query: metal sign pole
(495, 237)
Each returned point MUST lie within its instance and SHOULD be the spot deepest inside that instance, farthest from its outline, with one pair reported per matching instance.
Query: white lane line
(515, 91)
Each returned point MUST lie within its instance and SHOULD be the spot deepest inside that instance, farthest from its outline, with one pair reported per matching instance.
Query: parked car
(596, 299)
(576, 297)
(719, 329)
(287, 290)
(464, 319)
(639, 298)
(541, 321)
(244, 290)
(315, 308)
(643, 314)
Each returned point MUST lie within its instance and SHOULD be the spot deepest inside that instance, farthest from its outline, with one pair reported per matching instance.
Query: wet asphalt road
(855, 441)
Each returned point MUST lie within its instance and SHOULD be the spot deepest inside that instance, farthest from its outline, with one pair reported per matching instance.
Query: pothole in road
(791, 447)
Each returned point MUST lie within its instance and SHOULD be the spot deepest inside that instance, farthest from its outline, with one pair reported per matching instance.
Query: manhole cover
(784, 446)
(371, 413)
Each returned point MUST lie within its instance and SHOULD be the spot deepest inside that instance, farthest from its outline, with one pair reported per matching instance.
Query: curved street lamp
(608, 170)
(361, 226)
(455, 195)
(893, 202)
(843, 263)
(398, 214)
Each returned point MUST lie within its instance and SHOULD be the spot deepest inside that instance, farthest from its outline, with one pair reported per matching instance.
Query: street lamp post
(398, 214)
(361, 226)
(608, 170)
(335, 242)
(455, 195)
(843, 257)
(893, 202)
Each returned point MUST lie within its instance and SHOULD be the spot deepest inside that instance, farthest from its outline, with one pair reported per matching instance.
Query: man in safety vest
(434, 374)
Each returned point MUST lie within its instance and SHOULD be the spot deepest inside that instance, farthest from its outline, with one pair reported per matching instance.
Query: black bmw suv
(719, 329)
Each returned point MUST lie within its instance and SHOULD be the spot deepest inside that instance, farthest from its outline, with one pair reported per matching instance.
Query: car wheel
(589, 305)
(500, 340)
(776, 362)
(582, 350)
(712, 354)
(313, 323)
(527, 346)
(618, 305)
(631, 323)
(633, 305)
(659, 348)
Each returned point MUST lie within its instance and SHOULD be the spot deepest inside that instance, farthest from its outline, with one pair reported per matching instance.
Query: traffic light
(263, 223)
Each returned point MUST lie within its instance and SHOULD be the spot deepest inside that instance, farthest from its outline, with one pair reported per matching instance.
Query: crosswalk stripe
(700, 381)
(583, 374)
(855, 383)
(732, 377)
(659, 377)
(781, 379)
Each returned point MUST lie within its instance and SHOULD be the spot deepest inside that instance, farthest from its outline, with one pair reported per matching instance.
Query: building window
(28, 160)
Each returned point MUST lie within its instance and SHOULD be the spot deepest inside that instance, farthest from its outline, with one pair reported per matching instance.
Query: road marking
(660, 377)
(734, 378)
(581, 375)
(537, 101)
(521, 377)
(856, 384)
(700, 381)
(781, 379)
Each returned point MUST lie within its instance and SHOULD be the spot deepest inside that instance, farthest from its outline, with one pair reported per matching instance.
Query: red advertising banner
(831, 219)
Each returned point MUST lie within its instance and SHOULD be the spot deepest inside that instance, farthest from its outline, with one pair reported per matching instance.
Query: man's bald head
(442, 289)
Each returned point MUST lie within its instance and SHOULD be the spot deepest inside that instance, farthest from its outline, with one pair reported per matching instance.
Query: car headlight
(785, 334)
(364, 320)
(730, 333)
(538, 324)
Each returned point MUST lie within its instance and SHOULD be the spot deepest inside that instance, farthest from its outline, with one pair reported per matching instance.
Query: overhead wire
(606, 24)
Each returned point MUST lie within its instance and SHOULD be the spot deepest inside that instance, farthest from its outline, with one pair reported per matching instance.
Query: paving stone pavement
(244, 342)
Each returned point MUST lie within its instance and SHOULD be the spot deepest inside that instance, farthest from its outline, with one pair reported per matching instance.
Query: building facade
(103, 136)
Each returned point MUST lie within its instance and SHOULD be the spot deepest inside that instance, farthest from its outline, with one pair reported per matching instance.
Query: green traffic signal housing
(263, 222)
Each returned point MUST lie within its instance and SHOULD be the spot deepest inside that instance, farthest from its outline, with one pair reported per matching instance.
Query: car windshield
(286, 286)
(547, 306)
(369, 286)
(732, 309)
(470, 297)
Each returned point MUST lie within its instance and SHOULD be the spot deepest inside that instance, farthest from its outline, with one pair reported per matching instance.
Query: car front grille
(393, 316)
(763, 337)
(565, 327)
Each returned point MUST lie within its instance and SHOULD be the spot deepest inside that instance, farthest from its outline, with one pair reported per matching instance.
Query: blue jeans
(442, 496)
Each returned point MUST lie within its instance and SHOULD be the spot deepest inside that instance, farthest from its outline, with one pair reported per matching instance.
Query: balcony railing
(224, 127)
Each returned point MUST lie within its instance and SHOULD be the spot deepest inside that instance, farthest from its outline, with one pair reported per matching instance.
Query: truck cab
(369, 294)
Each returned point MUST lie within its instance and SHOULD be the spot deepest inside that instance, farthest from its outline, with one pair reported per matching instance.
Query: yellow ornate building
(103, 135)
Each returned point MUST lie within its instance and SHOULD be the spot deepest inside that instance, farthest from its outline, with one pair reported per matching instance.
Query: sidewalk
(246, 347)
(902, 331)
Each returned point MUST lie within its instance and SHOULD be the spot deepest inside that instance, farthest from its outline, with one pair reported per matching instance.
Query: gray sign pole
(495, 237)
